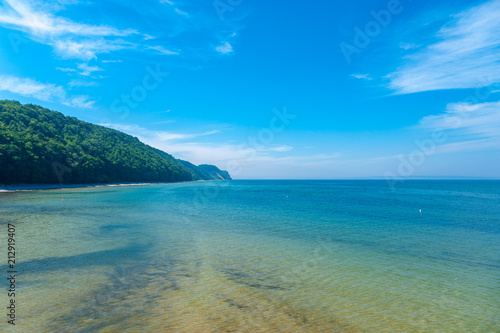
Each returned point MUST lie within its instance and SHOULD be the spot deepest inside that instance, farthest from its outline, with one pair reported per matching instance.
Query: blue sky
(282, 89)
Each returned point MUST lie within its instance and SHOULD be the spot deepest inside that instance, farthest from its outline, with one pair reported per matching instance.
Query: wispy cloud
(222, 153)
(181, 12)
(130, 129)
(79, 101)
(282, 148)
(87, 48)
(160, 136)
(181, 142)
(163, 136)
(225, 48)
(68, 38)
(176, 8)
(22, 16)
(467, 51)
(362, 76)
(467, 126)
(191, 147)
(162, 122)
(81, 83)
(71, 38)
(87, 70)
(408, 46)
(82, 69)
(470, 145)
(42, 91)
(161, 50)
(69, 70)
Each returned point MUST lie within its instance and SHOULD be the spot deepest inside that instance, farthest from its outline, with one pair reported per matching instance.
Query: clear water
(257, 256)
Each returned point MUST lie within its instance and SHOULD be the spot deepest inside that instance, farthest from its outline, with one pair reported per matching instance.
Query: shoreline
(39, 187)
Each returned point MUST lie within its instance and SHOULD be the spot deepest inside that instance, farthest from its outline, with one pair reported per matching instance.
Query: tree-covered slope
(212, 172)
(42, 146)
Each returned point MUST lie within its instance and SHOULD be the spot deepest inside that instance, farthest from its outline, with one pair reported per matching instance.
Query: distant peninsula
(40, 146)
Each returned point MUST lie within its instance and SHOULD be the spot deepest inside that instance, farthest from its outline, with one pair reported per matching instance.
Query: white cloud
(28, 87)
(251, 158)
(86, 48)
(66, 69)
(157, 136)
(467, 126)
(79, 101)
(222, 153)
(83, 69)
(162, 122)
(70, 39)
(22, 16)
(180, 12)
(81, 83)
(148, 37)
(175, 143)
(211, 132)
(87, 70)
(467, 54)
(130, 129)
(42, 91)
(169, 136)
(408, 46)
(176, 9)
(81, 39)
(111, 61)
(225, 48)
(161, 50)
(362, 76)
(281, 148)
(470, 145)
(482, 118)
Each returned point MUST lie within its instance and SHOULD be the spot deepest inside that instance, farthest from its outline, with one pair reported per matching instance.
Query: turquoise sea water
(256, 256)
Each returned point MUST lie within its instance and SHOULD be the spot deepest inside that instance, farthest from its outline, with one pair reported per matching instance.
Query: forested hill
(42, 146)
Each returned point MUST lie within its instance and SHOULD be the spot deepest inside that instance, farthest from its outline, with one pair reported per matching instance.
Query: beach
(39, 187)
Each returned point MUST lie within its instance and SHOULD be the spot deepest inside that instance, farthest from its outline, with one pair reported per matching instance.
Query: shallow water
(257, 256)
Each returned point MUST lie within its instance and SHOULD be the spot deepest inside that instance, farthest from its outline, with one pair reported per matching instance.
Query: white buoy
(420, 211)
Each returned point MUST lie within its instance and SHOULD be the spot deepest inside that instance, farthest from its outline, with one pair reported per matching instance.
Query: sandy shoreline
(36, 187)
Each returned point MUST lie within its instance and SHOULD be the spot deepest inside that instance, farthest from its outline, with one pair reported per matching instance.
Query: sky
(272, 89)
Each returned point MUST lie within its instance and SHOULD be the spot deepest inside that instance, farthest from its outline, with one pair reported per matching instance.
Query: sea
(254, 256)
